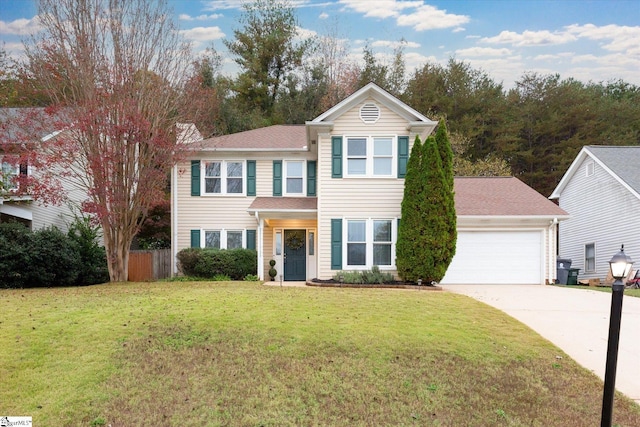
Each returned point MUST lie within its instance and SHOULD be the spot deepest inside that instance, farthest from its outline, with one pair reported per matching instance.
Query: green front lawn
(243, 354)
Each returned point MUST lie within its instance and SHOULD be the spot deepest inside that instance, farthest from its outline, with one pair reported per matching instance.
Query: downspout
(552, 253)
(174, 219)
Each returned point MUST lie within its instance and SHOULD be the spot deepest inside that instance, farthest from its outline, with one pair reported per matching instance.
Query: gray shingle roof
(624, 161)
(277, 137)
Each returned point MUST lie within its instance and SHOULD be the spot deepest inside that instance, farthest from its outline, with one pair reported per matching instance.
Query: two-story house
(325, 196)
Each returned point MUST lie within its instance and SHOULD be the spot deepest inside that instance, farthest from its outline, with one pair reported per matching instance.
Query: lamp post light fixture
(620, 266)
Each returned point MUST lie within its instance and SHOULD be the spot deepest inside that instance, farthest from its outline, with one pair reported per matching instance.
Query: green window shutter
(311, 178)
(195, 238)
(403, 155)
(195, 177)
(251, 239)
(336, 244)
(336, 157)
(277, 177)
(251, 177)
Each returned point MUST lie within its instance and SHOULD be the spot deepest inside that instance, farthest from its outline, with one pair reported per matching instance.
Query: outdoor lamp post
(620, 267)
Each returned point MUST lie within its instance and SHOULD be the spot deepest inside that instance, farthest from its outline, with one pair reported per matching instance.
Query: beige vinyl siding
(355, 198)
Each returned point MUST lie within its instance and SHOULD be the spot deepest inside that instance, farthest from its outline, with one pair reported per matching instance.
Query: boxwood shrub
(209, 263)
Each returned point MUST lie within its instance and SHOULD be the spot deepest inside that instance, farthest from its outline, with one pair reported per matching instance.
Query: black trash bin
(562, 270)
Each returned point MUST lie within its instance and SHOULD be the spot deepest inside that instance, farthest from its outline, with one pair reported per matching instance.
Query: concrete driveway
(577, 321)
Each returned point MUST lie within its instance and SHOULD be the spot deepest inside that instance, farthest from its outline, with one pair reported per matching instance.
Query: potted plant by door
(272, 271)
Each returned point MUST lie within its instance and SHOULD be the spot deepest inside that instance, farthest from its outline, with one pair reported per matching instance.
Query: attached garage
(506, 233)
(497, 257)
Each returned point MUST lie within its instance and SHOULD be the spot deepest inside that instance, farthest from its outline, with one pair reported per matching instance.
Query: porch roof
(284, 207)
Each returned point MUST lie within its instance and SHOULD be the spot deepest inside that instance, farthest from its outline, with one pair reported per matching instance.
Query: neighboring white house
(16, 205)
(601, 191)
(325, 196)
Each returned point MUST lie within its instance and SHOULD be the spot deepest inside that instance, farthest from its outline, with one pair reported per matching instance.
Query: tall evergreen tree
(448, 206)
(424, 249)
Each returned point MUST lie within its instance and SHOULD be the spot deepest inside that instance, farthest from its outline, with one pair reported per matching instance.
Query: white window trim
(590, 168)
(7, 179)
(369, 243)
(223, 178)
(223, 236)
(285, 176)
(369, 169)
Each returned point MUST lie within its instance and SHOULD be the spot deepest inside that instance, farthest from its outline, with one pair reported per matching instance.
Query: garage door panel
(496, 257)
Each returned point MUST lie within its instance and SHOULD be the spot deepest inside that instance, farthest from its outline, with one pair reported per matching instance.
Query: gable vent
(369, 113)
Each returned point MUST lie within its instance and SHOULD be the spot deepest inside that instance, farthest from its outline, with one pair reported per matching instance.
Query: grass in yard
(243, 354)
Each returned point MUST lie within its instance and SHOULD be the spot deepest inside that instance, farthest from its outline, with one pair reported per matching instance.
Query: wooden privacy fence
(149, 265)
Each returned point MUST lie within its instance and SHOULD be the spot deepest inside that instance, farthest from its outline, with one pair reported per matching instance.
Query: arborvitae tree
(424, 248)
(448, 206)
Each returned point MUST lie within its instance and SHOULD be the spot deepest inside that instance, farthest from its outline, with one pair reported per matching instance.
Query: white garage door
(496, 257)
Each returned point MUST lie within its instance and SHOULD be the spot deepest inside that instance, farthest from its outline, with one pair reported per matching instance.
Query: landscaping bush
(209, 263)
(48, 257)
(373, 276)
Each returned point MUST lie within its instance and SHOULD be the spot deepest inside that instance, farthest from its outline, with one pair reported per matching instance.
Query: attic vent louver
(369, 113)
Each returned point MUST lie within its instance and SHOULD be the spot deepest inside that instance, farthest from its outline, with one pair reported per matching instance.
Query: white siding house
(601, 192)
(325, 196)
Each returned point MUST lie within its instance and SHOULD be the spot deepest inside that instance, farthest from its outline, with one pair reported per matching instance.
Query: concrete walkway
(577, 321)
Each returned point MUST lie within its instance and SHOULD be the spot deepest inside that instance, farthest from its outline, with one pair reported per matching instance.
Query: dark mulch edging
(395, 285)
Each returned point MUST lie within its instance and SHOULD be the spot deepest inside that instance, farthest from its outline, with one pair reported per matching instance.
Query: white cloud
(380, 8)
(483, 51)
(201, 34)
(395, 44)
(20, 27)
(304, 33)
(459, 29)
(185, 17)
(530, 38)
(323, 15)
(428, 17)
(623, 38)
(223, 4)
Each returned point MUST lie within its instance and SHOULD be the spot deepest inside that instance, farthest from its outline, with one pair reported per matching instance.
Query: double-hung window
(8, 172)
(223, 239)
(590, 257)
(223, 177)
(370, 156)
(294, 177)
(370, 242)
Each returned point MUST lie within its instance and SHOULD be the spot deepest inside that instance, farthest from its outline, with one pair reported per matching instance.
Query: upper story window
(590, 168)
(370, 156)
(294, 177)
(8, 174)
(223, 177)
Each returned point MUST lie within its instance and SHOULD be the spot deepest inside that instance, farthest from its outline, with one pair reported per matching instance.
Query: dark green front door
(295, 255)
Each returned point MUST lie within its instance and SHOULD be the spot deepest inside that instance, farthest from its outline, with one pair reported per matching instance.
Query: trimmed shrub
(209, 263)
(55, 259)
(93, 257)
(15, 256)
(369, 277)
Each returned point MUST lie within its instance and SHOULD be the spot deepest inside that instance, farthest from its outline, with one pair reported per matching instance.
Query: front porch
(287, 234)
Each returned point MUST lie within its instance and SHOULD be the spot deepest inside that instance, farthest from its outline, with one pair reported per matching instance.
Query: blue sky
(589, 40)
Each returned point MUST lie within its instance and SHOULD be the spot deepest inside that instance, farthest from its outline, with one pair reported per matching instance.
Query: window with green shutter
(195, 238)
(195, 177)
(251, 239)
(336, 157)
(277, 177)
(311, 178)
(336, 244)
(251, 177)
(403, 155)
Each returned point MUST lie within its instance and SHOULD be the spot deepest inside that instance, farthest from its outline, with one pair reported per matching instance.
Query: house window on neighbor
(294, 177)
(357, 242)
(590, 257)
(7, 175)
(234, 239)
(382, 242)
(590, 168)
(212, 239)
(214, 173)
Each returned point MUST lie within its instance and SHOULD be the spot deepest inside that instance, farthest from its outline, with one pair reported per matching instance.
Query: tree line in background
(532, 131)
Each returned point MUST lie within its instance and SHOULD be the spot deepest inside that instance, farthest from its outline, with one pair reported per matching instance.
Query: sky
(589, 40)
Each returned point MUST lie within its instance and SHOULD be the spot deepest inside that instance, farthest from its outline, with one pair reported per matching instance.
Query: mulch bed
(394, 285)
